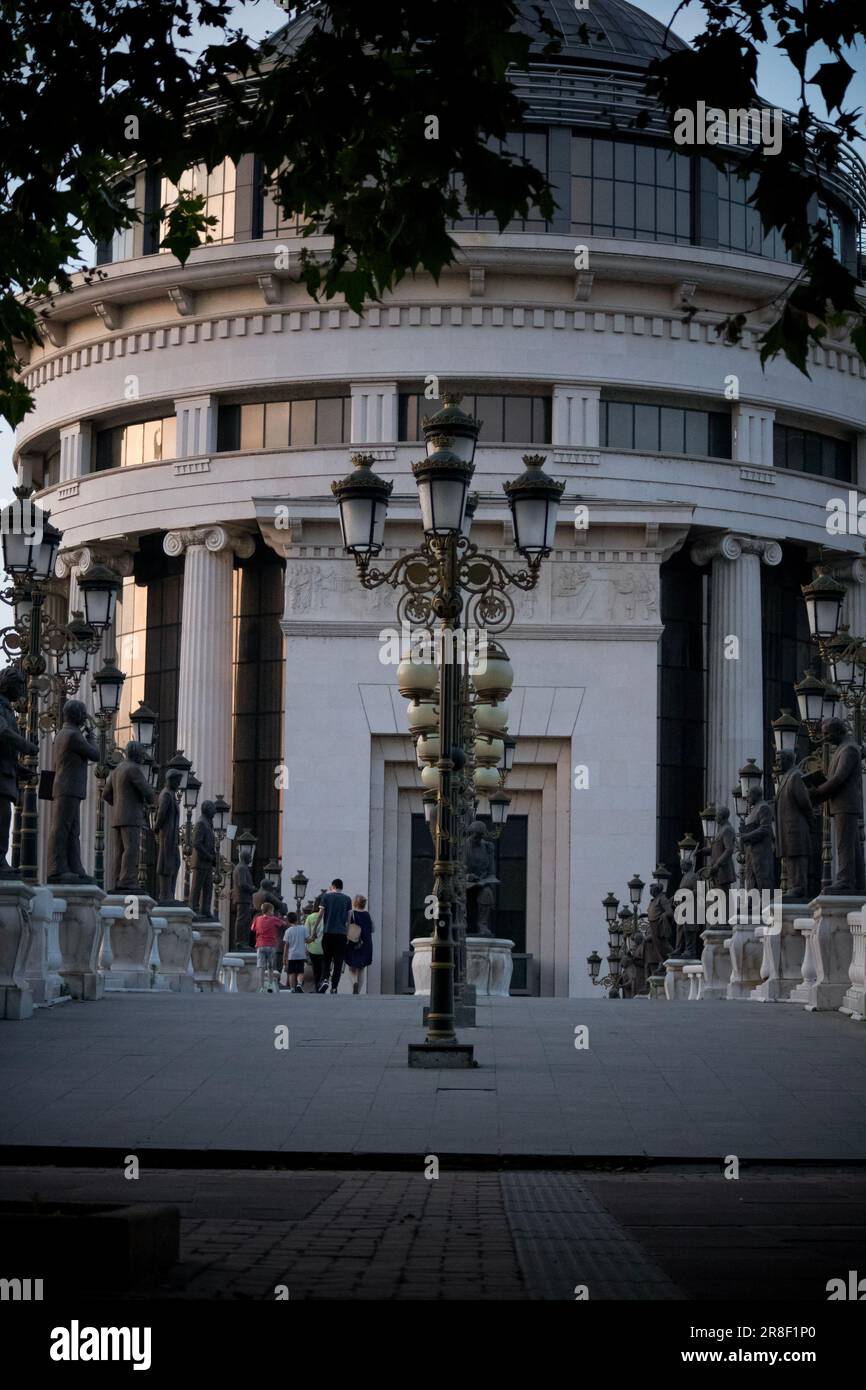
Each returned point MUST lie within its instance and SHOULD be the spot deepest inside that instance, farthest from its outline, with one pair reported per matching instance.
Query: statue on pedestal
(128, 792)
(166, 826)
(243, 887)
(795, 823)
(660, 928)
(721, 870)
(73, 750)
(757, 841)
(685, 946)
(12, 743)
(843, 790)
(480, 880)
(202, 863)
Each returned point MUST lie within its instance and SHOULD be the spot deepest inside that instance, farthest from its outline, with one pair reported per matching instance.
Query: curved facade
(189, 422)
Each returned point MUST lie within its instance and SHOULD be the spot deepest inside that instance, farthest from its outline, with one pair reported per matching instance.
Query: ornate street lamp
(220, 824)
(300, 883)
(786, 730)
(750, 776)
(447, 583)
(688, 848)
(80, 644)
(181, 764)
(499, 804)
(107, 687)
(810, 702)
(823, 598)
(144, 722)
(709, 823)
(99, 587)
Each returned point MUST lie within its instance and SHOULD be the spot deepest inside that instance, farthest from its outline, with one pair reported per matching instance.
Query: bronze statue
(795, 824)
(202, 863)
(73, 750)
(166, 826)
(686, 945)
(243, 886)
(480, 880)
(756, 839)
(843, 790)
(269, 892)
(128, 792)
(12, 743)
(660, 928)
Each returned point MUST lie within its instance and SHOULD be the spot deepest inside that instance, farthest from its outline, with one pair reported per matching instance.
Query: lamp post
(300, 883)
(626, 936)
(29, 551)
(222, 812)
(816, 698)
(107, 686)
(449, 582)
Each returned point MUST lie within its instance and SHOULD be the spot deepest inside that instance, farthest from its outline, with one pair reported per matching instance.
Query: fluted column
(204, 701)
(735, 704)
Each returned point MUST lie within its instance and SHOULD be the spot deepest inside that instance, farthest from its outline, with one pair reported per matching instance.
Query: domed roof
(616, 33)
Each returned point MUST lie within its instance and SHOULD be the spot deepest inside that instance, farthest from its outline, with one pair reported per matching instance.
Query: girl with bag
(359, 943)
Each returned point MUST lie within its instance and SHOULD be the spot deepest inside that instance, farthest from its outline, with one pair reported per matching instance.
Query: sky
(778, 84)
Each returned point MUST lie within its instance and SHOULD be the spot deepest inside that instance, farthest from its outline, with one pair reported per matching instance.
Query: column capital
(729, 546)
(212, 538)
(77, 560)
(850, 569)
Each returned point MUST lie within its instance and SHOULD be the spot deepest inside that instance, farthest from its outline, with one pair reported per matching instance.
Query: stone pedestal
(827, 956)
(128, 919)
(782, 960)
(174, 948)
(656, 984)
(746, 953)
(716, 961)
(695, 976)
(36, 967)
(55, 986)
(207, 953)
(489, 966)
(422, 948)
(676, 984)
(854, 1001)
(16, 997)
(80, 938)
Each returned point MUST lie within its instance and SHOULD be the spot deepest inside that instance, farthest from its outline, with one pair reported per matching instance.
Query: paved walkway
(666, 1081)
(669, 1234)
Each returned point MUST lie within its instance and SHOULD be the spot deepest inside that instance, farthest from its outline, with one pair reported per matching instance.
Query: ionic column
(204, 701)
(735, 705)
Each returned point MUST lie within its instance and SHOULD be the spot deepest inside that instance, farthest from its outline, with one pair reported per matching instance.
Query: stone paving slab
(660, 1080)
(664, 1235)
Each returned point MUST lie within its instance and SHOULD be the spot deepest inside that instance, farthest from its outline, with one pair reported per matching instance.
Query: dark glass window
(681, 694)
(624, 188)
(530, 145)
(285, 424)
(665, 429)
(147, 441)
(505, 419)
(805, 451)
(739, 224)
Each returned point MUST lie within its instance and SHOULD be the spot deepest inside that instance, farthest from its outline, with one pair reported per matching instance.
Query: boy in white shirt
(294, 952)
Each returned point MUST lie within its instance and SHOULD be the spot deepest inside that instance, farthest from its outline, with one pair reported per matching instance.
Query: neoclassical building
(189, 423)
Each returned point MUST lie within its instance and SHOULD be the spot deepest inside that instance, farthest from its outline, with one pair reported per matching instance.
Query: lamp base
(442, 1056)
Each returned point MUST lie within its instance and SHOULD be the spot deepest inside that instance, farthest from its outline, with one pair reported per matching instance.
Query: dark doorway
(510, 908)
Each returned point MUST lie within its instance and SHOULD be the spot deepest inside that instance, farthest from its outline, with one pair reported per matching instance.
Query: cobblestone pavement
(666, 1234)
(204, 1073)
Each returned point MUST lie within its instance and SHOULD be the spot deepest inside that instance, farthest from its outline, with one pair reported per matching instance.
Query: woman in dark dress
(359, 954)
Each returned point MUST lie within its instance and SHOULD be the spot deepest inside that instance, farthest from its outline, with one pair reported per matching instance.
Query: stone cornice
(729, 546)
(213, 538)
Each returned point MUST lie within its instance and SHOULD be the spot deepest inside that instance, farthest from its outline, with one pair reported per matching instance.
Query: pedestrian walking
(294, 952)
(336, 906)
(359, 942)
(313, 924)
(268, 931)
